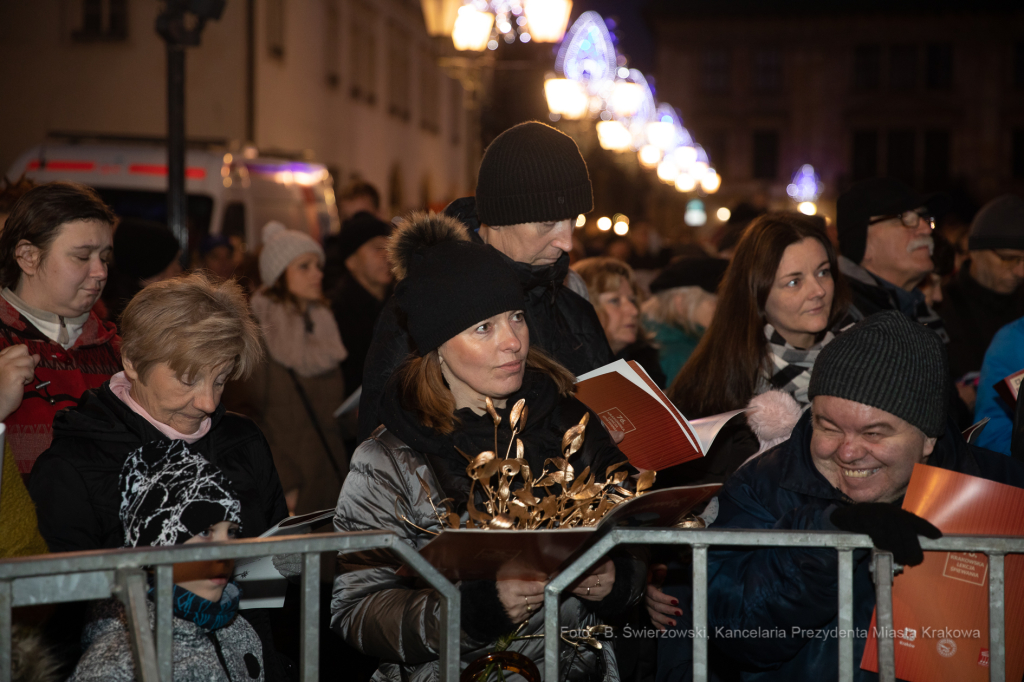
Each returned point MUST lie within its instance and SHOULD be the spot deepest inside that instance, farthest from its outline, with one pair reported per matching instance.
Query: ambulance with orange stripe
(229, 193)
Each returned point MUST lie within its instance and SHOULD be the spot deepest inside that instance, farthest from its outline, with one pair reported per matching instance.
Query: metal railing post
(883, 607)
(700, 613)
(996, 618)
(164, 599)
(131, 590)
(310, 633)
(5, 629)
(845, 615)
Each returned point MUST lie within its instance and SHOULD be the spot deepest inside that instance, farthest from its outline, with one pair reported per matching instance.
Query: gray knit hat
(532, 173)
(280, 247)
(998, 225)
(890, 362)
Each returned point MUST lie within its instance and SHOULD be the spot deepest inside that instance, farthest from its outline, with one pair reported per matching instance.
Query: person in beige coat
(293, 394)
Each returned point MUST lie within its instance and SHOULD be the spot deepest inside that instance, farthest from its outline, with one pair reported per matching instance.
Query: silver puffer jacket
(398, 619)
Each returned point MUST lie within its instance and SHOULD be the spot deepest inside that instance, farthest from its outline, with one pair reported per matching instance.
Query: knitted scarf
(309, 344)
(203, 612)
(791, 367)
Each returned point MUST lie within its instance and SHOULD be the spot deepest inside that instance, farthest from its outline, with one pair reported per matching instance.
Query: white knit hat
(280, 247)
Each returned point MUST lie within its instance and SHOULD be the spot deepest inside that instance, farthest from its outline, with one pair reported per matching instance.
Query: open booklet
(658, 436)
(263, 586)
(476, 554)
(1008, 387)
(948, 638)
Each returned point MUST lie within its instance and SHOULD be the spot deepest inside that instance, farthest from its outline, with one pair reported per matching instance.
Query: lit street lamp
(547, 19)
(472, 29)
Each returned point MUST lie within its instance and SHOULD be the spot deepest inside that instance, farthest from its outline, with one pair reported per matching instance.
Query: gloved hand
(891, 529)
(288, 565)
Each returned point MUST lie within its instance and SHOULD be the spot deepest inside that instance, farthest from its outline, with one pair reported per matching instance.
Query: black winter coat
(75, 482)
(795, 586)
(561, 323)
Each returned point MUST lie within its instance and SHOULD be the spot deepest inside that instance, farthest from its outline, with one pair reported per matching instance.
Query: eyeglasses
(1010, 261)
(907, 218)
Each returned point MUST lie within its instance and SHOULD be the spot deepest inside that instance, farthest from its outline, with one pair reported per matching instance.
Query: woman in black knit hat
(462, 305)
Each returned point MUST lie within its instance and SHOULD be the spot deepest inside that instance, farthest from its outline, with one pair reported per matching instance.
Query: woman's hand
(521, 598)
(17, 370)
(597, 584)
(660, 606)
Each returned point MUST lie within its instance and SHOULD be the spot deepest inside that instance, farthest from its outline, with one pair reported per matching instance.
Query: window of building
(102, 20)
(1018, 153)
(275, 28)
(399, 63)
(766, 154)
(867, 67)
(936, 159)
(332, 44)
(899, 155)
(716, 67)
(865, 155)
(766, 74)
(430, 96)
(363, 53)
(902, 67)
(939, 69)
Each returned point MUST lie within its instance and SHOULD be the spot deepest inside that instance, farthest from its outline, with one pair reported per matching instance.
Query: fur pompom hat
(447, 283)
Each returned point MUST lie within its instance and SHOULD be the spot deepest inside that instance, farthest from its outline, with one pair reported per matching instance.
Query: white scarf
(309, 353)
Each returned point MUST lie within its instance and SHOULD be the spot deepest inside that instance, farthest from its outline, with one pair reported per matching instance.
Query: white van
(234, 194)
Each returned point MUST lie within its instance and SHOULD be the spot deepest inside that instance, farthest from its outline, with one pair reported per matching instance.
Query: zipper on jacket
(220, 654)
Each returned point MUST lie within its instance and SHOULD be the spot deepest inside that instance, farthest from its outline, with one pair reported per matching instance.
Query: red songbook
(940, 607)
(1009, 387)
(658, 436)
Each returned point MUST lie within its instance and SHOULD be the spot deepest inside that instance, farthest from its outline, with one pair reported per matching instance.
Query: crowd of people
(144, 405)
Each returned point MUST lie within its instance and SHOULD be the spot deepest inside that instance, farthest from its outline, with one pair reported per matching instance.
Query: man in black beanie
(885, 246)
(532, 185)
(363, 281)
(879, 408)
(986, 293)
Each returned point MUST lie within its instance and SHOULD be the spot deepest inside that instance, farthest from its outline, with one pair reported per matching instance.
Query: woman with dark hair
(463, 305)
(781, 296)
(54, 251)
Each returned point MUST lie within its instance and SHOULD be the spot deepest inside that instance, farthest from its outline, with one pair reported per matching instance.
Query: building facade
(354, 84)
(930, 92)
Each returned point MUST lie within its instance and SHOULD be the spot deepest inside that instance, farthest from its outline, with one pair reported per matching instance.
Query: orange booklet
(940, 607)
(658, 436)
(468, 554)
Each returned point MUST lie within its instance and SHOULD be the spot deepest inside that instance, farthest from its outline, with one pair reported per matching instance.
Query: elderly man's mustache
(918, 242)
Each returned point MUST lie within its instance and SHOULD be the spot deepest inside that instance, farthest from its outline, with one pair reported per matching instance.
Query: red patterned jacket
(95, 357)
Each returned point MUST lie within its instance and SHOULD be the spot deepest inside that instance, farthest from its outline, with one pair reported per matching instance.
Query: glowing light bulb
(604, 223)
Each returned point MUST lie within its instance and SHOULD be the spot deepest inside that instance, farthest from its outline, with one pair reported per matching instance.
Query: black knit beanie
(448, 283)
(998, 225)
(170, 494)
(143, 248)
(890, 362)
(705, 273)
(359, 229)
(856, 206)
(532, 173)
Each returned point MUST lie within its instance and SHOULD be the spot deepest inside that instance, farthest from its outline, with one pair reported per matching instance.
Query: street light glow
(472, 29)
(547, 19)
(649, 156)
(614, 136)
(686, 182)
(710, 181)
(621, 228)
(566, 97)
(723, 214)
(625, 98)
(668, 170)
(807, 207)
(604, 223)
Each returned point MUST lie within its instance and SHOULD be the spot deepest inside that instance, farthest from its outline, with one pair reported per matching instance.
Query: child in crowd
(172, 496)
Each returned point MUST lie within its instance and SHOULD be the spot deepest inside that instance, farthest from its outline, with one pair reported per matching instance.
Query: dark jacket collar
(978, 293)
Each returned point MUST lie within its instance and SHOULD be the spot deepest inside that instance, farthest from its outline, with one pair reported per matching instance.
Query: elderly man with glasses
(885, 242)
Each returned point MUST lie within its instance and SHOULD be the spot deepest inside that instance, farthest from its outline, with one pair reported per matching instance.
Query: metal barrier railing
(845, 543)
(97, 575)
(78, 576)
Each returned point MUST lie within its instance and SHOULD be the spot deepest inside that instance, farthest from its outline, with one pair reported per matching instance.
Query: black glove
(891, 529)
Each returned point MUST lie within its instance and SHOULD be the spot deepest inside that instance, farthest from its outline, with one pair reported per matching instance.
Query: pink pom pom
(773, 415)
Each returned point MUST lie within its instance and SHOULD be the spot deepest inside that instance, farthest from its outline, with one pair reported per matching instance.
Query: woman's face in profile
(487, 360)
(800, 300)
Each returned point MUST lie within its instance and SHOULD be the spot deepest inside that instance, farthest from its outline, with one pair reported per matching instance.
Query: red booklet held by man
(658, 436)
(1008, 387)
(940, 607)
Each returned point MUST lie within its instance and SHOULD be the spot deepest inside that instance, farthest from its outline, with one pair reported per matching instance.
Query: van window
(153, 206)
